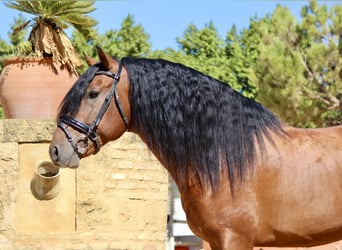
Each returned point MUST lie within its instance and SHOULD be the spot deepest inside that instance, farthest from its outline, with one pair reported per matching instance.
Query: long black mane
(196, 123)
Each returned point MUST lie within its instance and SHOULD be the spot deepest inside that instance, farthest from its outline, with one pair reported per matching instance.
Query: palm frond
(76, 18)
(83, 5)
(20, 28)
(24, 6)
(56, 8)
(87, 32)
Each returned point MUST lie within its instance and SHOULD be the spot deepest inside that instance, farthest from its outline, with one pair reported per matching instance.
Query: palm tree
(51, 17)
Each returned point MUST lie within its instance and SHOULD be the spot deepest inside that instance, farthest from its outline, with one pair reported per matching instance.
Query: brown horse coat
(266, 184)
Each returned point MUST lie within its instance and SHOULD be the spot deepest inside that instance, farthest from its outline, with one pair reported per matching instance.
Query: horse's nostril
(54, 153)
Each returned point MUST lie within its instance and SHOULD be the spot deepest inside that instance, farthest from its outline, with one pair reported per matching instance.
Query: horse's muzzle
(62, 153)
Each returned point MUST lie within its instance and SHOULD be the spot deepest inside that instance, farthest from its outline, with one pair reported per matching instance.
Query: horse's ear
(90, 61)
(105, 59)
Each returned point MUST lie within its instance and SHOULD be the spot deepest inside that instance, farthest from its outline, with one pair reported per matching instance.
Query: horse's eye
(93, 94)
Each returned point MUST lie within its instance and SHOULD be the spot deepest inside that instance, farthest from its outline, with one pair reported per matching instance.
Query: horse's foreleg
(230, 240)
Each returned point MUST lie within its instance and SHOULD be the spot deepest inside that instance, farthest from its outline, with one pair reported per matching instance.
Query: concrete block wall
(116, 199)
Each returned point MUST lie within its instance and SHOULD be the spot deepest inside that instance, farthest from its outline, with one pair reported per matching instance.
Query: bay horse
(245, 178)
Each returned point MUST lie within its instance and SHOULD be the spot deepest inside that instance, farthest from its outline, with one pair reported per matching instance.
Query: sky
(165, 20)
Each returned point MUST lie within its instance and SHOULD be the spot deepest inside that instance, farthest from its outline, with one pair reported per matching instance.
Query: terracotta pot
(33, 88)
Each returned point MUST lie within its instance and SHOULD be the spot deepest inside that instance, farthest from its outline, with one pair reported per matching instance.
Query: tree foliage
(204, 50)
(299, 65)
(293, 67)
(130, 40)
(18, 44)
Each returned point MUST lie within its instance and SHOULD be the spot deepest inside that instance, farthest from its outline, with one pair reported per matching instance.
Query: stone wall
(116, 199)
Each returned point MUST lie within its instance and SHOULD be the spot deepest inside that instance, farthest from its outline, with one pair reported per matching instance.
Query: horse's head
(95, 110)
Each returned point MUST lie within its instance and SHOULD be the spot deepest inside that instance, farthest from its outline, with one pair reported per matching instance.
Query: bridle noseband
(91, 130)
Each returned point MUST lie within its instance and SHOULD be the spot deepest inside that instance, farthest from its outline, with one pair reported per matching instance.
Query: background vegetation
(293, 67)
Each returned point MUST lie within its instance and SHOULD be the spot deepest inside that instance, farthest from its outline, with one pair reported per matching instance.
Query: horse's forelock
(71, 102)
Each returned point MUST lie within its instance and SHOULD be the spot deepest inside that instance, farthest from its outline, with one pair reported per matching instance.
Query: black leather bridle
(91, 130)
